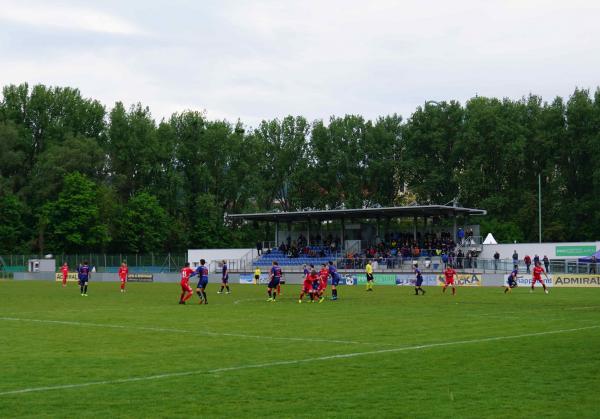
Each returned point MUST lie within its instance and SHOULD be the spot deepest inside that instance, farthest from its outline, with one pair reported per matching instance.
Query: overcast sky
(257, 60)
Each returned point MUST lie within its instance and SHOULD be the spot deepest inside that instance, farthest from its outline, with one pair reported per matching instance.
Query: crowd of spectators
(396, 248)
(318, 248)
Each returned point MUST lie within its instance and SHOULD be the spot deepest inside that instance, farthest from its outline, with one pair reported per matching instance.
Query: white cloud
(46, 14)
(265, 59)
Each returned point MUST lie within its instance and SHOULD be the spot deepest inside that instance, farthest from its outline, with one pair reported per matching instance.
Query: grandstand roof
(362, 213)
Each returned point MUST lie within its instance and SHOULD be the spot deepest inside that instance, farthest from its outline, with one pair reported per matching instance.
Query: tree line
(76, 176)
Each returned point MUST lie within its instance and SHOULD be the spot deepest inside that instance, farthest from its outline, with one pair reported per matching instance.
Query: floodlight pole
(540, 207)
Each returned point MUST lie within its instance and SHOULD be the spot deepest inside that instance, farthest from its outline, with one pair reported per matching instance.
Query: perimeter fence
(102, 262)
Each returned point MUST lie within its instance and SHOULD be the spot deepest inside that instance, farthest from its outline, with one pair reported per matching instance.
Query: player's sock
(278, 289)
(453, 291)
(188, 296)
(81, 289)
(274, 295)
(221, 290)
(204, 296)
(444, 289)
(227, 287)
(85, 289)
(181, 297)
(269, 292)
(199, 295)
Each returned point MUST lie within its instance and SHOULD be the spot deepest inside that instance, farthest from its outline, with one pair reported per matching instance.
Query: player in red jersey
(537, 276)
(65, 273)
(450, 274)
(123, 272)
(186, 290)
(323, 277)
(307, 286)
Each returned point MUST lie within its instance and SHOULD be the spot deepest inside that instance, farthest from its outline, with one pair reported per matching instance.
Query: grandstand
(356, 230)
(323, 252)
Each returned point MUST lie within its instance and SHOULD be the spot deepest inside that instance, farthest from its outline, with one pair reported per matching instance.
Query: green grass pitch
(382, 354)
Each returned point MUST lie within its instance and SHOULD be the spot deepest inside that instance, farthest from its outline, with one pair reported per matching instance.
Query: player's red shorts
(534, 280)
(123, 278)
(307, 286)
(185, 286)
(323, 286)
(450, 281)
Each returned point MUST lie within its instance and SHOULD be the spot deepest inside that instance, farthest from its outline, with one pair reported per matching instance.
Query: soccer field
(387, 353)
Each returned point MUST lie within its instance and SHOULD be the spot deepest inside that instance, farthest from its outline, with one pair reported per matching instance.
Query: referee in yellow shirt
(369, 271)
(257, 275)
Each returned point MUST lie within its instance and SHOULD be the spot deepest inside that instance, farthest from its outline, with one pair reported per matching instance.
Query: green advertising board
(575, 250)
(381, 279)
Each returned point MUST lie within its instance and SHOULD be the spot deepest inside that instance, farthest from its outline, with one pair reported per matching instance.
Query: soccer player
(307, 286)
(335, 280)
(323, 277)
(537, 276)
(224, 278)
(419, 280)
(275, 279)
(123, 272)
(186, 290)
(65, 273)
(257, 275)
(83, 274)
(369, 272)
(316, 283)
(511, 281)
(450, 274)
(202, 272)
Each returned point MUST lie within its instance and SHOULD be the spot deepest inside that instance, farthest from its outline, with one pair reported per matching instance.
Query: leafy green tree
(132, 149)
(431, 160)
(143, 225)
(13, 230)
(73, 220)
(13, 157)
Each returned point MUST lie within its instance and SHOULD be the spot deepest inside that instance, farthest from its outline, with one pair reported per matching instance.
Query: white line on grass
(292, 362)
(194, 332)
(248, 299)
(583, 308)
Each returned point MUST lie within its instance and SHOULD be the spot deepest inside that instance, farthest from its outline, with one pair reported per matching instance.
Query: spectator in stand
(527, 260)
(460, 235)
(496, 259)
(536, 259)
(416, 252)
(468, 259)
(445, 260)
(515, 258)
(459, 258)
(546, 263)
(593, 265)
(259, 247)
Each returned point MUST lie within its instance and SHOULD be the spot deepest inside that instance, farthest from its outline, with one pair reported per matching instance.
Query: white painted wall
(531, 249)
(210, 255)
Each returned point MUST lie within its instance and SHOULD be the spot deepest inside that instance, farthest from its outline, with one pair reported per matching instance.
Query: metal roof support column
(454, 226)
(415, 228)
(342, 238)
